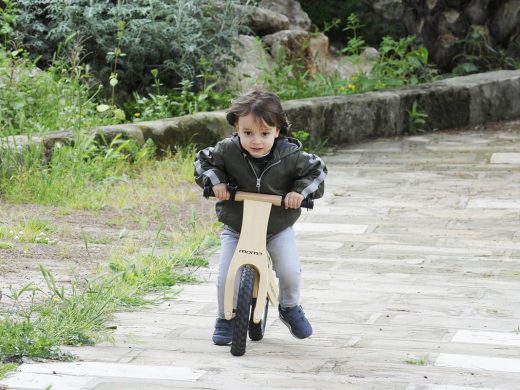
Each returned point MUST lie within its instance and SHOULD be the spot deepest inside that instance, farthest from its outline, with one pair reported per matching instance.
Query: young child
(260, 157)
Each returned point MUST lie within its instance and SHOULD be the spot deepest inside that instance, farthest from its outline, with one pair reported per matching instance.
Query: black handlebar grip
(207, 192)
(308, 203)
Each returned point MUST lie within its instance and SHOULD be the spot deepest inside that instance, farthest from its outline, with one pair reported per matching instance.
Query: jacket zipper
(259, 178)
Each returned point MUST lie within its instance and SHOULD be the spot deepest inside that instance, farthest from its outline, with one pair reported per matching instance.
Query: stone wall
(449, 103)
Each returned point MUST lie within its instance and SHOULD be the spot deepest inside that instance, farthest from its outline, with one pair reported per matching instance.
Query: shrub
(170, 35)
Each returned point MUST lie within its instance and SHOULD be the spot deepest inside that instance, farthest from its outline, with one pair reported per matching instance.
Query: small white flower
(16, 238)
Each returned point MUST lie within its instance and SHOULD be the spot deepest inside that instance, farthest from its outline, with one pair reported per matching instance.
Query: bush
(170, 35)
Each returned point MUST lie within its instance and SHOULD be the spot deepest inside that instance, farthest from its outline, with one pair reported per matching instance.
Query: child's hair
(261, 104)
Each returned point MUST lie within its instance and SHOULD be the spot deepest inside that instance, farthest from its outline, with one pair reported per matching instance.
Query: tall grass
(33, 101)
(77, 175)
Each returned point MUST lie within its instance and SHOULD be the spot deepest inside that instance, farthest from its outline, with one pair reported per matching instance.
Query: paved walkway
(411, 280)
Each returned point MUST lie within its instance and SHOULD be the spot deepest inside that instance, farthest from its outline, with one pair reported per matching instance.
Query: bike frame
(252, 250)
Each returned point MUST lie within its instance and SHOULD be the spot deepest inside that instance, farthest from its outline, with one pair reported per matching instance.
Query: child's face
(256, 136)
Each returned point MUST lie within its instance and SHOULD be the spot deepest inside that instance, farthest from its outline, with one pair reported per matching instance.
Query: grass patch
(31, 230)
(6, 245)
(417, 361)
(7, 367)
(77, 176)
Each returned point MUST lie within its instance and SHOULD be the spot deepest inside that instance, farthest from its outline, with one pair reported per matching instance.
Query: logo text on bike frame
(250, 252)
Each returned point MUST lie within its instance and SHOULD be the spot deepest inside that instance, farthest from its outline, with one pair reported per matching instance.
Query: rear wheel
(245, 293)
(256, 331)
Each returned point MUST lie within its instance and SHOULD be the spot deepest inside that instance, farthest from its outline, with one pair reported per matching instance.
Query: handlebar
(239, 196)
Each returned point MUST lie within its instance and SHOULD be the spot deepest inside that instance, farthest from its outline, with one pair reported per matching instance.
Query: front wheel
(245, 294)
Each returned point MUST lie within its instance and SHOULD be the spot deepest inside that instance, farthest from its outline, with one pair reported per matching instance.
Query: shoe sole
(222, 344)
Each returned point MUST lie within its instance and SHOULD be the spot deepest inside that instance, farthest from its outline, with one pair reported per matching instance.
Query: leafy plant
(317, 147)
(416, 119)
(478, 54)
(356, 42)
(402, 63)
(184, 100)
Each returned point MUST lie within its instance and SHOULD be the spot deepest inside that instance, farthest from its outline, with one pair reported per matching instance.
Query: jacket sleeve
(310, 176)
(210, 167)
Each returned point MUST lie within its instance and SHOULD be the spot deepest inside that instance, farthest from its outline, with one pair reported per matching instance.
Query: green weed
(417, 361)
(416, 119)
(356, 42)
(6, 368)
(317, 147)
(477, 53)
(6, 245)
(30, 230)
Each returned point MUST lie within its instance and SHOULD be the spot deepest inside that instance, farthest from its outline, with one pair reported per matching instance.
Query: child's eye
(247, 132)
(265, 134)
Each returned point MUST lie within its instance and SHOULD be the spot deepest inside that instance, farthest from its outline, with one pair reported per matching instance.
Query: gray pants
(286, 263)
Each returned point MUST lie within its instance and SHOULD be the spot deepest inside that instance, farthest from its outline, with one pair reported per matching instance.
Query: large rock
(321, 61)
(389, 9)
(263, 21)
(439, 23)
(446, 48)
(298, 18)
(506, 20)
(253, 60)
(453, 22)
(476, 12)
(290, 43)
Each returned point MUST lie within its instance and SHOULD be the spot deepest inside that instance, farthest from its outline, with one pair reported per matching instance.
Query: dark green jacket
(289, 169)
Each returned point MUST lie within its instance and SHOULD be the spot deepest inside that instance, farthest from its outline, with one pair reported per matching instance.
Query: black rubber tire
(245, 293)
(256, 331)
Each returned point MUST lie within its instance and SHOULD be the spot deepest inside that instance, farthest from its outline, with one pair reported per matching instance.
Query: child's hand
(293, 200)
(221, 192)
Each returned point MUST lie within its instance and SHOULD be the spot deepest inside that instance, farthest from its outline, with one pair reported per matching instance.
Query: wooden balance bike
(257, 280)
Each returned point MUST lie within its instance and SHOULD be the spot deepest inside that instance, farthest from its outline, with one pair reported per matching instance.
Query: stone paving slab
(411, 279)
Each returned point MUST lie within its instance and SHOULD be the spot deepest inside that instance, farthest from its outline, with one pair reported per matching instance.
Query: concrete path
(411, 278)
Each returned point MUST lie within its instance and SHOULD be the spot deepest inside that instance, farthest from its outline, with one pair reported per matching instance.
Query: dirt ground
(84, 239)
